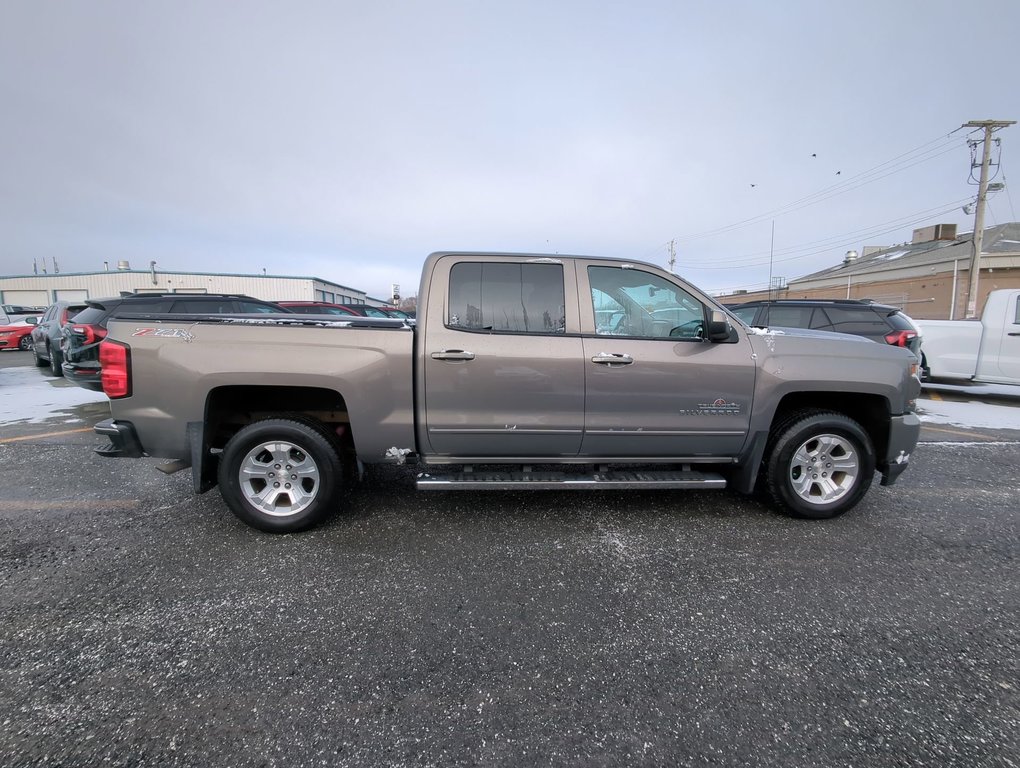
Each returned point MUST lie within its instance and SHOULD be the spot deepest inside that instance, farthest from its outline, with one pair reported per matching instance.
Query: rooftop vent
(123, 265)
(851, 257)
(934, 232)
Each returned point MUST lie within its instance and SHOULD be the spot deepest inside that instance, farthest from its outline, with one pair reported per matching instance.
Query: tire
(39, 362)
(25, 343)
(819, 464)
(56, 359)
(250, 471)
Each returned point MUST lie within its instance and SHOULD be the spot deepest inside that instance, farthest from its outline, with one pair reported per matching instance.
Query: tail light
(900, 338)
(89, 333)
(115, 361)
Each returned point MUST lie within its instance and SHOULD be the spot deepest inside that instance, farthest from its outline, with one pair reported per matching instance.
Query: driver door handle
(453, 354)
(610, 359)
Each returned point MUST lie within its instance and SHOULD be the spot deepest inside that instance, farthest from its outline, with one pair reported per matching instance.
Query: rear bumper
(124, 442)
(903, 433)
(84, 376)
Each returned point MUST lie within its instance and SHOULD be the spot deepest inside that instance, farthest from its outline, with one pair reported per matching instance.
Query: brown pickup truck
(524, 372)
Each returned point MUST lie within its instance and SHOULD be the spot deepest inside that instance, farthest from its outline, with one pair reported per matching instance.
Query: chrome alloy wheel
(824, 469)
(279, 478)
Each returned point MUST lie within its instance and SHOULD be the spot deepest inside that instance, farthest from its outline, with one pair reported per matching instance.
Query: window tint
(516, 298)
(1016, 317)
(900, 322)
(788, 317)
(91, 315)
(746, 314)
(148, 306)
(631, 302)
(860, 321)
(199, 307)
(251, 307)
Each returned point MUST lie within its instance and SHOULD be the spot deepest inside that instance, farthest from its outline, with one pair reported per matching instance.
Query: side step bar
(507, 480)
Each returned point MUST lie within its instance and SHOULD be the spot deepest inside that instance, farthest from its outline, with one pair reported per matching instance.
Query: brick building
(928, 277)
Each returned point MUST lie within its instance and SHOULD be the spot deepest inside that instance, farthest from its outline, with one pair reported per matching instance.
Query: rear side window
(796, 317)
(746, 314)
(862, 322)
(511, 298)
(899, 322)
(199, 307)
(1016, 317)
(91, 316)
(250, 307)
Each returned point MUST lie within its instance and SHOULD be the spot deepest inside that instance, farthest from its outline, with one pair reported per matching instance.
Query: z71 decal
(170, 333)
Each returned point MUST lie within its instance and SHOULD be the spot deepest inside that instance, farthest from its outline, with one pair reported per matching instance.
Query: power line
(759, 263)
(901, 162)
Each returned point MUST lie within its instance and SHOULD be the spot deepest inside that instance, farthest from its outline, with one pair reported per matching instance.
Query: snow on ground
(28, 396)
(969, 414)
(975, 390)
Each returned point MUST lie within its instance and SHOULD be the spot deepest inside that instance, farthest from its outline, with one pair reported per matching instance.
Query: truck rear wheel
(280, 475)
(819, 464)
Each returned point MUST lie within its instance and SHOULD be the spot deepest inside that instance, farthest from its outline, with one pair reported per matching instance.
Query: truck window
(1016, 317)
(509, 298)
(630, 302)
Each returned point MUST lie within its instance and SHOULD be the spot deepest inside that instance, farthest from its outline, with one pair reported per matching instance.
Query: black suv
(81, 339)
(878, 322)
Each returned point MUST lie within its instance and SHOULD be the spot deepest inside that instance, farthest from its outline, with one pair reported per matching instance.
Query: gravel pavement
(142, 625)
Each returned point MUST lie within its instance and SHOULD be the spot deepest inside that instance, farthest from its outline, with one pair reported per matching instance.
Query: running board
(607, 480)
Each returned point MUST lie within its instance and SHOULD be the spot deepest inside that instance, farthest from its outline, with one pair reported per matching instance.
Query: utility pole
(672, 255)
(990, 127)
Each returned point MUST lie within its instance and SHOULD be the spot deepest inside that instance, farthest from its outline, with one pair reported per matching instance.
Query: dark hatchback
(879, 322)
(81, 338)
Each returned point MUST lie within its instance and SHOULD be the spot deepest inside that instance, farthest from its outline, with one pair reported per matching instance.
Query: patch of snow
(978, 390)
(969, 414)
(891, 256)
(26, 397)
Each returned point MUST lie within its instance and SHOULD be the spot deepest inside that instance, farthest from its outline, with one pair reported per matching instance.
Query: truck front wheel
(280, 475)
(819, 464)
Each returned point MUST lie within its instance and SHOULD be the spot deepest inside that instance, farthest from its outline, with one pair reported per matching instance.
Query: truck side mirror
(719, 328)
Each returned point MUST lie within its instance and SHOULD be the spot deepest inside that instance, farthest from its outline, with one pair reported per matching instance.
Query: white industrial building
(43, 289)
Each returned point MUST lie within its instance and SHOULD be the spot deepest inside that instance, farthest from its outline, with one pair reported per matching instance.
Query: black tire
(837, 452)
(39, 362)
(56, 359)
(25, 343)
(302, 501)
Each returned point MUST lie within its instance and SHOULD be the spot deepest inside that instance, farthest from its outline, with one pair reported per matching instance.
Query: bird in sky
(814, 154)
(754, 185)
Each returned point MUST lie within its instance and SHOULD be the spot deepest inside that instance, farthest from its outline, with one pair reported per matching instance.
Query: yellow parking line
(958, 432)
(934, 396)
(42, 506)
(44, 434)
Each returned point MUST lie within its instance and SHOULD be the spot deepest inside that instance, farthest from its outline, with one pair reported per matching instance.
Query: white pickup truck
(985, 350)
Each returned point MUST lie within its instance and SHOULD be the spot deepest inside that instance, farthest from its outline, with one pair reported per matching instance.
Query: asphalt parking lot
(143, 625)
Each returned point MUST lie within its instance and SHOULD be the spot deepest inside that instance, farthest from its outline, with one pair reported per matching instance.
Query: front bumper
(903, 433)
(124, 442)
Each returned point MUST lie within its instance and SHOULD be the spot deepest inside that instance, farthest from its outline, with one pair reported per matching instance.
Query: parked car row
(65, 336)
(17, 334)
(879, 322)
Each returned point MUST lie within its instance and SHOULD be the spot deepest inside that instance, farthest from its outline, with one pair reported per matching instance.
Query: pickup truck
(523, 372)
(984, 351)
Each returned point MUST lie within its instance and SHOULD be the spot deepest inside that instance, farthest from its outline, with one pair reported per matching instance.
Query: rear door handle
(1014, 334)
(606, 358)
(453, 354)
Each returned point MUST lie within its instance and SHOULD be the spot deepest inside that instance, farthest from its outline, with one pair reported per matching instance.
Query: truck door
(502, 359)
(655, 388)
(1009, 345)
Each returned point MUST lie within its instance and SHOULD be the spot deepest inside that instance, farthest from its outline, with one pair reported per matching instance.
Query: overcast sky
(348, 140)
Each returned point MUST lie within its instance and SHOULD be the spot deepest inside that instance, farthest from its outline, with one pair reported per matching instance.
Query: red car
(18, 335)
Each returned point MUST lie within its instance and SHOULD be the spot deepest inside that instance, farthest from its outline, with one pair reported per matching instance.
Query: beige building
(42, 290)
(928, 277)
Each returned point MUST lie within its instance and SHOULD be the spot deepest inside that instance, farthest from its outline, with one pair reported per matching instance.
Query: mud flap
(203, 461)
